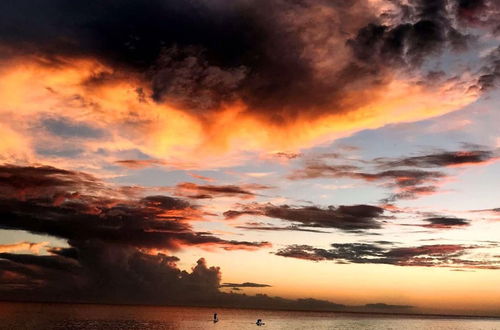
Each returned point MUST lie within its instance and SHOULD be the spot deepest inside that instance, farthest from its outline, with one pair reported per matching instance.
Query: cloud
(32, 182)
(490, 71)
(410, 177)
(344, 217)
(75, 206)
(409, 183)
(46, 262)
(157, 82)
(442, 159)
(188, 68)
(400, 177)
(196, 191)
(270, 227)
(412, 181)
(107, 273)
(201, 177)
(440, 255)
(140, 163)
(65, 128)
(99, 272)
(480, 14)
(287, 155)
(244, 285)
(494, 211)
(23, 246)
(14, 146)
(316, 169)
(492, 214)
(446, 223)
(423, 29)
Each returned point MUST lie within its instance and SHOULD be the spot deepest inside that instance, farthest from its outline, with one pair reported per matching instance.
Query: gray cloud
(409, 176)
(440, 255)
(446, 223)
(345, 217)
(72, 205)
(66, 128)
(441, 159)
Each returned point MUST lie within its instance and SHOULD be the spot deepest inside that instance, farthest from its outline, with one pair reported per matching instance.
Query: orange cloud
(120, 104)
(14, 146)
(23, 246)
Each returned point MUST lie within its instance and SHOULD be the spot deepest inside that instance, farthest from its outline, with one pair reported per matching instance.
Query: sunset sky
(252, 153)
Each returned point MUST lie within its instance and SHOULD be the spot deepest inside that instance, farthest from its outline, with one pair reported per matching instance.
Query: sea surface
(68, 316)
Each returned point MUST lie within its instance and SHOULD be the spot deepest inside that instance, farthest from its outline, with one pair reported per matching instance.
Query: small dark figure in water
(259, 322)
(216, 319)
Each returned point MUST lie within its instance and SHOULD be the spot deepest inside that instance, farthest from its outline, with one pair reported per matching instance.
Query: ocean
(75, 316)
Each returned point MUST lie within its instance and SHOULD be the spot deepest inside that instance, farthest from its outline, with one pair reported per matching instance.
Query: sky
(296, 154)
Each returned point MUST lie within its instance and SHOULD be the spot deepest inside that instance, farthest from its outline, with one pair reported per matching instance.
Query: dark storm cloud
(446, 223)
(48, 262)
(196, 191)
(345, 217)
(107, 273)
(426, 27)
(71, 205)
(481, 13)
(244, 285)
(111, 241)
(136, 225)
(33, 182)
(187, 80)
(443, 255)
(200, 55)
(470, 8)
(131, 33)
(194, 53)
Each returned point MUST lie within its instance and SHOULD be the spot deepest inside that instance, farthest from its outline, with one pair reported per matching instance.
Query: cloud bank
(187, 80)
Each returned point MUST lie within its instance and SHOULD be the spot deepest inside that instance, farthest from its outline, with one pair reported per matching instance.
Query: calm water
(59, 316)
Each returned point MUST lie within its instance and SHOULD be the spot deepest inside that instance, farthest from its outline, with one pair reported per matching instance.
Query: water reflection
(67, 316)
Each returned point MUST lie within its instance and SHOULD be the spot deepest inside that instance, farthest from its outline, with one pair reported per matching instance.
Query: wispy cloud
(410, 177)
(196, 191)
